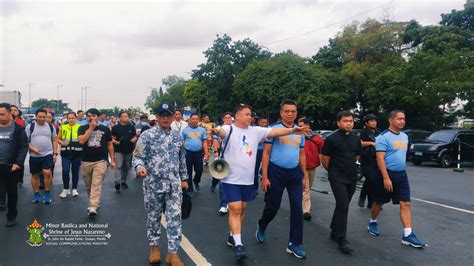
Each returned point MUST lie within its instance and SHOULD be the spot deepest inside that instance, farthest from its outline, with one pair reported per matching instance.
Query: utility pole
(57, 99)
(82, 98)
(29, 94)
(85, 102)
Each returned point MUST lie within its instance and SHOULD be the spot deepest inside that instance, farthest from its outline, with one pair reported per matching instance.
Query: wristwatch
(55, 153)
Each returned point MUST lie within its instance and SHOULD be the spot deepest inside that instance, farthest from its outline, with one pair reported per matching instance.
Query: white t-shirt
(179, 126)
(241, 153)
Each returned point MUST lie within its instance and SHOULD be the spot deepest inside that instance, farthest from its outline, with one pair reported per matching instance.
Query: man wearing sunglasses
(284, 167)
(160, 158)
(242, 140)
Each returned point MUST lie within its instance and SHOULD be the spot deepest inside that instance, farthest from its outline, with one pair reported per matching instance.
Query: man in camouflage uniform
(159, 157)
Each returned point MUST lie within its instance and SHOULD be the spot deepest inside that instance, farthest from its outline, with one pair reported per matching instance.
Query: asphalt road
(443, 217)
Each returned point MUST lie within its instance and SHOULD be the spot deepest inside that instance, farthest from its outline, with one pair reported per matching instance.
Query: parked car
(417, 135)
(442, 147)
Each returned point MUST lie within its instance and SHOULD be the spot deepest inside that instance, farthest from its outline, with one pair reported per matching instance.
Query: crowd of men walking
(170, 154)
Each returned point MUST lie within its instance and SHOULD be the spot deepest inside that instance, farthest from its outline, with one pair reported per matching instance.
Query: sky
(122, 49)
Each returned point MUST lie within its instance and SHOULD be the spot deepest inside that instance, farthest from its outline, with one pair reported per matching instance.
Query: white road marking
(189, 248)
(445, 206)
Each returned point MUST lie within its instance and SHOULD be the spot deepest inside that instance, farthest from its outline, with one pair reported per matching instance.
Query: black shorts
(401, 188)
(37, 164)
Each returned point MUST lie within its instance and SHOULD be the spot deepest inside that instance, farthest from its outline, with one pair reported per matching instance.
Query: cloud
(84, 55)
(9, 8)
(128, 45)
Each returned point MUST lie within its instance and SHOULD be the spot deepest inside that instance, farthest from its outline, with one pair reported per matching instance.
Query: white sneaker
(64, 193)
(223, 210)
(92, 211)
(75, 193)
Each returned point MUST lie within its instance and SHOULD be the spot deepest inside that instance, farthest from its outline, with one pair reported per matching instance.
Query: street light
(84, 97)
(57, 99)
(29, 94)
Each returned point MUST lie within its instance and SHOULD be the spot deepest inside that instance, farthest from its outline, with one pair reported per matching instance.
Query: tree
(59, 107)
(193, 95)
(171, 80)
(463, 19)
(115, 111)
(225, 59)
(320, 93)
(174, 90)
(175, 94)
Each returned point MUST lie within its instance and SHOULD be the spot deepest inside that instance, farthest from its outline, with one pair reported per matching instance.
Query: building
(11, 97)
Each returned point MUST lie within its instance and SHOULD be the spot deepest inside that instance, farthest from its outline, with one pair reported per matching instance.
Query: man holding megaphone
(242, 142)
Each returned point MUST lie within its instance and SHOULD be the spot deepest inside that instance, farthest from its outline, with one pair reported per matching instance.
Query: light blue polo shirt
(395, 147)
(286, 149)
(193, 138)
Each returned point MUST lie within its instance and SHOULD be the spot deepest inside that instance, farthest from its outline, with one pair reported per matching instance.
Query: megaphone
(219, 169)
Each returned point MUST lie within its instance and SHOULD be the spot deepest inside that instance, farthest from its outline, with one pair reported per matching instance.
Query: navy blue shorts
(37, 164)
(401, 188)
(235, 193)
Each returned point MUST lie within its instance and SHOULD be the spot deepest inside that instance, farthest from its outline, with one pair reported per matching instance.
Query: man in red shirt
(312, 148)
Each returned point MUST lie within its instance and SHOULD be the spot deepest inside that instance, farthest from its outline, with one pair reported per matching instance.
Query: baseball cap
(164, 108)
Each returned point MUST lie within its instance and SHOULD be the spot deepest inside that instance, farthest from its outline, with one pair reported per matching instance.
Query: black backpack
(32, 128)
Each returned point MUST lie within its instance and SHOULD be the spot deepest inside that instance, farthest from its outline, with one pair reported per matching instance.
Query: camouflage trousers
(155, 202)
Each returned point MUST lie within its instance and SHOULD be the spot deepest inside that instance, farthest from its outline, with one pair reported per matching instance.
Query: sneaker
(344, 246)
(223, 211)
(36, 198)
(230, 242)
(307, 216)
(373, 229)
(296, 250)
(197, 187)
(11, 222)
(240, 252)
(411, 240)
(47, 198)
(260, 234)
(64, 193)
(124, 185)
(75, 193)
(92, 211)
(117, 187)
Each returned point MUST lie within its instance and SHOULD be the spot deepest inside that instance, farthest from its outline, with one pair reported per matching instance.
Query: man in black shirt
(367, 159)
(124, 137)
(13, 150)
(96, 141)
(340, 152)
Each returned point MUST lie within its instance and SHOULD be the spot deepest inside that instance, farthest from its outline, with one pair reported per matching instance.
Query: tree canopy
(368, 67)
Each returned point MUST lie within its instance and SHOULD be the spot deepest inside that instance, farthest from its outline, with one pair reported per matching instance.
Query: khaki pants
(94, 174)
(307, 192)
